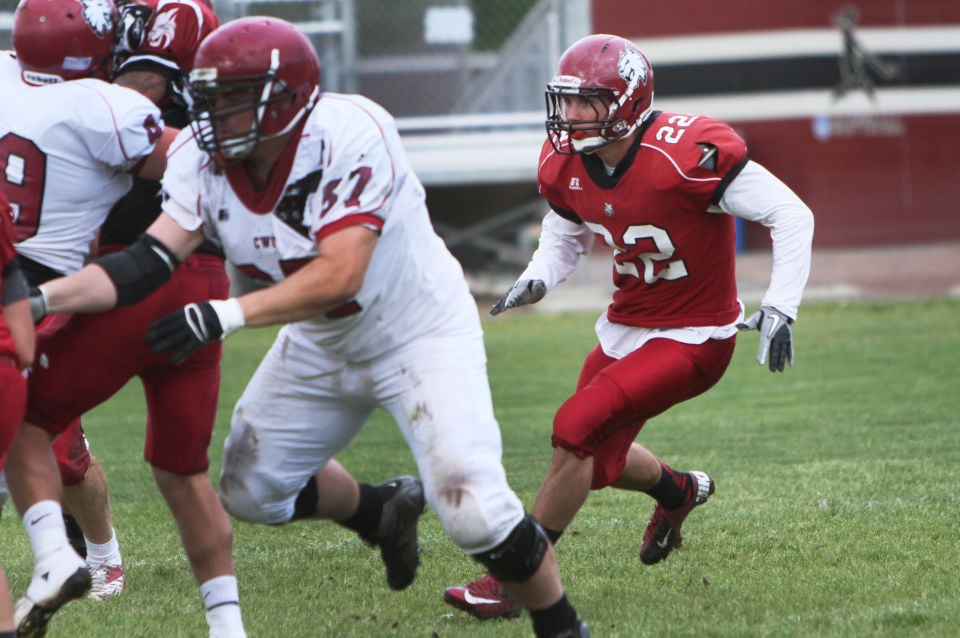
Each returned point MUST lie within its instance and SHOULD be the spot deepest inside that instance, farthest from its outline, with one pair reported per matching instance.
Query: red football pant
(615, 398)
(92, 357)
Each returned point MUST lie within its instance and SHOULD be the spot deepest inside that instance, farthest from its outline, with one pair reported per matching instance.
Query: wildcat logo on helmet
(632, 66)
(164, 30)
(98, 14)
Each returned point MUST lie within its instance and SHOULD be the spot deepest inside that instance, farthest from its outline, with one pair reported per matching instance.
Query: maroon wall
(658, 18)
(867, 188)
(875, 178)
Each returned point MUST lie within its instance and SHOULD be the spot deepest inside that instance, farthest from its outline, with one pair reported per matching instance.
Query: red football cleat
(484, 599)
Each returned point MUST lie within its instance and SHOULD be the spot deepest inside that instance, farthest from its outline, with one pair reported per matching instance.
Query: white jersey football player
(70, 163)
(377, 314)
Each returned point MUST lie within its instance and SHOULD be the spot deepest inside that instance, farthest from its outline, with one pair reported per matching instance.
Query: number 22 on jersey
(656, 265)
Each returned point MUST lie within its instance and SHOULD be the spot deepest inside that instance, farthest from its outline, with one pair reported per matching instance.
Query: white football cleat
(57, 579)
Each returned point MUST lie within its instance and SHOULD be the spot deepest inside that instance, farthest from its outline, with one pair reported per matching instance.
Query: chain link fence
(434, 57)
(465, 79)
(424, 57)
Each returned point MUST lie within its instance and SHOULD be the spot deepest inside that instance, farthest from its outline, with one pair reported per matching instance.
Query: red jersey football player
(661, 191)
(17, 344)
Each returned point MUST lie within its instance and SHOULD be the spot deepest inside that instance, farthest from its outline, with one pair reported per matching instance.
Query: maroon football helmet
(58, 40)
(607, 67)
(258, 64)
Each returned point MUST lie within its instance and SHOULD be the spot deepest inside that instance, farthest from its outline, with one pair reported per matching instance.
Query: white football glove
(523, 292)
(776, 337)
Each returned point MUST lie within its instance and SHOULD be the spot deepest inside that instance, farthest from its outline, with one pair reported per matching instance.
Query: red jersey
(674, 262)
(7, 253)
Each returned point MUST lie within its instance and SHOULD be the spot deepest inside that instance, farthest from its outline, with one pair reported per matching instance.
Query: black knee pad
(516, 559)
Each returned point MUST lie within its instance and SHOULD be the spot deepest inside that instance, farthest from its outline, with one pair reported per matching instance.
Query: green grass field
(836, 512)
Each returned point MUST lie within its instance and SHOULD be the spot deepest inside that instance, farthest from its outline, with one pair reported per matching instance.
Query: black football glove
(188, 329)
(776, 337)
(523, 292)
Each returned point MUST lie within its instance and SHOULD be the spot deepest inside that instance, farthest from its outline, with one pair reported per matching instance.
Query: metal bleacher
(471, 121)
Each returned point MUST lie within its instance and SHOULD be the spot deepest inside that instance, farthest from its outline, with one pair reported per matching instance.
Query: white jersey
(349, 169)
(245, 237)
(10, 71)
(67, 149)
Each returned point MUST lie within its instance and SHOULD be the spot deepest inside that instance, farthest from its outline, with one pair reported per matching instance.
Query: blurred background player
(71, 144)
(85, 485)
(17, 343)
(157, 43)
(661, 189)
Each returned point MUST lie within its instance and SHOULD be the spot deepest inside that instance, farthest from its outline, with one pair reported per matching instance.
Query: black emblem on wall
(858, 67)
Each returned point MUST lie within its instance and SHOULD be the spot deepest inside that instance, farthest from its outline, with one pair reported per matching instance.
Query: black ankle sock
(552, 534)
(671, 490)
(75, 535)
(367, 517)
(554, 619)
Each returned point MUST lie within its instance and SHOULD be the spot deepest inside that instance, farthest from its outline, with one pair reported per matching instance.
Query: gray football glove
(38, 305)
(776, 337)
(523, 292)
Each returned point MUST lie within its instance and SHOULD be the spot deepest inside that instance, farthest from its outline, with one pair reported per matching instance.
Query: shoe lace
(104, 574)
(656, 522)
(488, 587)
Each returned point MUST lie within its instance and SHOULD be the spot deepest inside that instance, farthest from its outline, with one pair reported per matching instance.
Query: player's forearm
(792, 238)
(560, 247)
(88, 290)
(306, 294)
(327, 281)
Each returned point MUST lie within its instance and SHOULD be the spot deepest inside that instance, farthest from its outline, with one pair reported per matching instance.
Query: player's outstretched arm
(88, 290)
(757, 195)
(562, 242)
(17, 316)
(121, 278)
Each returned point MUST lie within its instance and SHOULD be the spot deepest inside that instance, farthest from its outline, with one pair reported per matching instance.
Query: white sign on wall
(448, 25)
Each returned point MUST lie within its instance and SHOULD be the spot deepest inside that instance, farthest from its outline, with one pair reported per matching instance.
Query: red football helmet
(607, 67)
(58, 40)
(259, 64)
